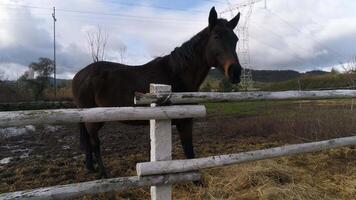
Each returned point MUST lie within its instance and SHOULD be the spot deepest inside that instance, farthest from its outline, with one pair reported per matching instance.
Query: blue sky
(294, 34)
(183, 4)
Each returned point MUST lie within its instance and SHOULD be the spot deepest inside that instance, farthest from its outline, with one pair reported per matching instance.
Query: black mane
(182, 57)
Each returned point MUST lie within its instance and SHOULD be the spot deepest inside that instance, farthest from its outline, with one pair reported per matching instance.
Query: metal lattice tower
(243, 49)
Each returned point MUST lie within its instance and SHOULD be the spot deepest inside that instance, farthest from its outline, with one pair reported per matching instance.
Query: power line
(293, 53)
(281, 36)
(54, 51)
(99, 13)
(142, 18)
(155, 6)
(119, 4)
(301, 60)
(300, 31)
(239, 6)
(213, 1)
(248, 4)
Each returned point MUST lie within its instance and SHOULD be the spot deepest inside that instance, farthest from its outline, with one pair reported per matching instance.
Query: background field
(265, 80)
(50, 155)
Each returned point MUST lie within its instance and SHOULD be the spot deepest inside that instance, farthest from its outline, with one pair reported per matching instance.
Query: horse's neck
(189, 65)
(196, 75)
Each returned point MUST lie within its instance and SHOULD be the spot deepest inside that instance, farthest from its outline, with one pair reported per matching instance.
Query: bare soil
(51, 157)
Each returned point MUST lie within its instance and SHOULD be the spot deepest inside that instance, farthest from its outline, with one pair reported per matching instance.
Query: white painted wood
(103, 114)
(98, 186)
(161, 145)
(176, 166)
(201, 97)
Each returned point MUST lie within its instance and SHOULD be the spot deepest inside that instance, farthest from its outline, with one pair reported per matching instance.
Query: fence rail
(161, 172)
(98, 186)
(59, 116)
(202, 97)
(178, 166)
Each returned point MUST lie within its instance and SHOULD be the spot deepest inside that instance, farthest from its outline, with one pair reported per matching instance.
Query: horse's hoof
(199, 183)
(91, 171)
(90, 168)
(102, 176)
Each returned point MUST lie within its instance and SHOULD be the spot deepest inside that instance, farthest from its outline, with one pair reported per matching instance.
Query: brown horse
(104, 84)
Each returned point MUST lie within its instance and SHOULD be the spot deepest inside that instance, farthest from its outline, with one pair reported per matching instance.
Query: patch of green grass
(270, 107)
(308, 82)
(244, 108)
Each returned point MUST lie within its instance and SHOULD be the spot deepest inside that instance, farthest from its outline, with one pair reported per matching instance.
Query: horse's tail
(84, 137)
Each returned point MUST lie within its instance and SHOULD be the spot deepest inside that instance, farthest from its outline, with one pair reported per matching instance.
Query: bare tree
(2, 75)
(43, 69)
(122, 51)
(350, 66)
(97, 41)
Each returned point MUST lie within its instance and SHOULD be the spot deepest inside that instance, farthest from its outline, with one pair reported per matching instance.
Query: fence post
(161, 145)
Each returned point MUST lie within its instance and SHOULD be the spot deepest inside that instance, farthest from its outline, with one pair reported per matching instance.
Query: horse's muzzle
(234, 73)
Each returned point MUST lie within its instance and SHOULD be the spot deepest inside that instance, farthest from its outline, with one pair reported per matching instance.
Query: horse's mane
(182, 56)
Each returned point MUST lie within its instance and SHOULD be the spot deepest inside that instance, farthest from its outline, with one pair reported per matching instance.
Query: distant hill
(274, 75)
(60, 81)
(309, 81)
(316, 72)
(271, 75)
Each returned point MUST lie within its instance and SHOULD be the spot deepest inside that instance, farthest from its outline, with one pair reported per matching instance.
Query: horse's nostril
(234, 73)
(231, 71)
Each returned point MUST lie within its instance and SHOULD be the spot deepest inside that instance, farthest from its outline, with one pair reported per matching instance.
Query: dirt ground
(51, 155)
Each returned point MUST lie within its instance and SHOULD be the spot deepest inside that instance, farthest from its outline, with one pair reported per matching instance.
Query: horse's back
(108, 84)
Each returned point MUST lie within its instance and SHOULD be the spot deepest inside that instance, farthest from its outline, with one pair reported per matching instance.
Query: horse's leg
(86, 146)
(185, 129)
(93, 129)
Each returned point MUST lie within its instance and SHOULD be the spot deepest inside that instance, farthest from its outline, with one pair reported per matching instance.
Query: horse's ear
(213, 17)
(234, 21)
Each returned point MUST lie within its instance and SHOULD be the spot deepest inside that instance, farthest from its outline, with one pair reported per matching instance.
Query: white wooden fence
(161, 172)
(202, 97)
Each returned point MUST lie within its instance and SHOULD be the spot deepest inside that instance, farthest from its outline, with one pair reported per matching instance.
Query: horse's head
(221, 46)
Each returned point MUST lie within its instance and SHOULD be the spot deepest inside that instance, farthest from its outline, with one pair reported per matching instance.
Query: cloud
(11, 70)
(21, 40)
(303, 35)
(300, 35)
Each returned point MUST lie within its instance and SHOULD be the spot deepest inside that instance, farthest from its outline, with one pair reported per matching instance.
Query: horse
(108, 84)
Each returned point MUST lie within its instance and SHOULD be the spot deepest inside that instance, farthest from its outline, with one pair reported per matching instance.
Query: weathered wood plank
(161, 145)
(176, 166)
(202, 97)
(103, 114)
(98, 186)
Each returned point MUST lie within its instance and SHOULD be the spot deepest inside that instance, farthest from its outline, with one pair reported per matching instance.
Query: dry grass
(324, 175)
(63, 94)
(320, 176)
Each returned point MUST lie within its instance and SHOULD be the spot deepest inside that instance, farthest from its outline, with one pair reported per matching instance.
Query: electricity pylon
(243, 49)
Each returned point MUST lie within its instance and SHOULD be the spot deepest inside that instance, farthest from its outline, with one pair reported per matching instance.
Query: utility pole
(54, 51)
(265, 4)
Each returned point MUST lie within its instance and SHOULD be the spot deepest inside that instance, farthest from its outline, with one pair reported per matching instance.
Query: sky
(296, 34)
